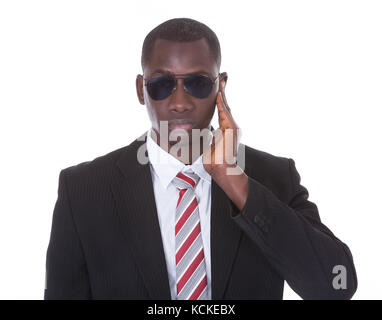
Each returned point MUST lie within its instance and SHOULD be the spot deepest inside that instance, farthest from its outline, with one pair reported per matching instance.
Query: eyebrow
(193, 72)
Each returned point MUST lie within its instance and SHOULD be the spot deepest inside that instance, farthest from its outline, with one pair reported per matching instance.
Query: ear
(139, 85)
(223, 77)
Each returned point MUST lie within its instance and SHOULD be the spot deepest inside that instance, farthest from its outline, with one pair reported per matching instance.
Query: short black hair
(181, 30)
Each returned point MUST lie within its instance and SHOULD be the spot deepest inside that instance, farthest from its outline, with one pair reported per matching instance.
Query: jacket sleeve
(315, 263)
(66, 273)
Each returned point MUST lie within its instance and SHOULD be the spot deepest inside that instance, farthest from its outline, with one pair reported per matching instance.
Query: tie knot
(186, 180)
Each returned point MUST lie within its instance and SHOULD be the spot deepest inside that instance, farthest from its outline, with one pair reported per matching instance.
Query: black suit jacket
(106, 243)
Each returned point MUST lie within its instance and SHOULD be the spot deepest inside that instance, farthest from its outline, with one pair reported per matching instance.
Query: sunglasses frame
(181, 76)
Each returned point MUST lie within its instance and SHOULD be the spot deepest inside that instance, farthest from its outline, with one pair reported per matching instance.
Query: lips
(184, 124)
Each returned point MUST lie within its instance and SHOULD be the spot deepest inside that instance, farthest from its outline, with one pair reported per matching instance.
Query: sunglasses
(197, 85)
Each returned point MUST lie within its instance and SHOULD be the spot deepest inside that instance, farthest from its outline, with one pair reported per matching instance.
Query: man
(193, 221)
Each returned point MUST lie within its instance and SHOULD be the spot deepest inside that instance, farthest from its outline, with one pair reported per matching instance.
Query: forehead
(181, 57)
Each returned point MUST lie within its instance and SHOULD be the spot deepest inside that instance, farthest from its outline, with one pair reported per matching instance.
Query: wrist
(234, 185)
(222, 171)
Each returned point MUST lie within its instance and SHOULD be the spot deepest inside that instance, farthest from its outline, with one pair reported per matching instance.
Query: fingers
(225, 100)
(222, 110)
(220, 103)
(225, 119)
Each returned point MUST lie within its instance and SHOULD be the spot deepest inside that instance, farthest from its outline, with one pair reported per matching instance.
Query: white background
(304, 81)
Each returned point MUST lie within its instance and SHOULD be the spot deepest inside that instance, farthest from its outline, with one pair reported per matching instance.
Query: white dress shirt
(164, 167)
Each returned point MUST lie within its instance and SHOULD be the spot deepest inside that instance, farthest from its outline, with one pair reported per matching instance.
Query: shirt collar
(167, 166)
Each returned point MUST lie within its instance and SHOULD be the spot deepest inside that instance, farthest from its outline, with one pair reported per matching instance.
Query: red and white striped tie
(191, 277)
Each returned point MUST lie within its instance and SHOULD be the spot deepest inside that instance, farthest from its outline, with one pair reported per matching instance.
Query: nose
(180, 99)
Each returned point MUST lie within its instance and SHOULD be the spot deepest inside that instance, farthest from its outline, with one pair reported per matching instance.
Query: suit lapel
(225, 238)
(135, 202)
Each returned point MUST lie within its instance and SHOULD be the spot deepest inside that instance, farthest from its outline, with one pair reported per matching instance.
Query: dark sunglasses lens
(161, 87)
(198, 85)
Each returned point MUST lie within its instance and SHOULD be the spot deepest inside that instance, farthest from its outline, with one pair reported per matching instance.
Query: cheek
(156, 113)
(212, 104)
(208, 110)
(151, 107)
(153, 115)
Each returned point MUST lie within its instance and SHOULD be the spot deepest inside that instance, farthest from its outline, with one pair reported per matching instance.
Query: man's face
(180, 109)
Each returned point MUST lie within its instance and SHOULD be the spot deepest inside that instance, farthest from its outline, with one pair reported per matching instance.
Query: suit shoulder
(274, 172)
(95, 168)
(265, 160)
